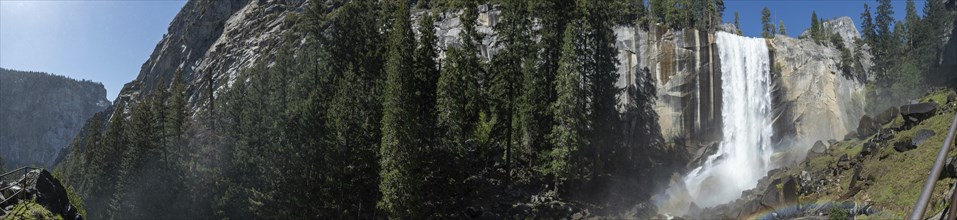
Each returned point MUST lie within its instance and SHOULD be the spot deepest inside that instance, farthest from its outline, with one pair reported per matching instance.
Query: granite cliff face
(40, 114)
(814, 100)
(685, 67)
(810, 92)
(210, 42)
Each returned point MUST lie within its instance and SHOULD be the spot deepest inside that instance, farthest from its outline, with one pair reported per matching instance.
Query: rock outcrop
(211, 42)
(813, 100)
(686, 72)
(40, 114)
(43, 188)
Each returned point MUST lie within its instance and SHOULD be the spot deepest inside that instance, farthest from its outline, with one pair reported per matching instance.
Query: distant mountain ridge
(40, 113)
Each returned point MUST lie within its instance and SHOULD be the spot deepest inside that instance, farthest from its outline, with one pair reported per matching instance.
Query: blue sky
(109, 40)
(796, 14)
(104, 41)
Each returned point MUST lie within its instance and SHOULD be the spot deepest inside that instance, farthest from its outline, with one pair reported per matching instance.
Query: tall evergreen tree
(660, 10)
(458, 90)
(354, 112)
(178, 113)
(767, 26)
(911, 23)
(934, 26)
(567, 135)
(884, 18)
(507, 69)
(867, 25)
(401, 170)
(884, 43)
(600, 61)
(737, 23)
(781, 29)
(457, 106)
(538, 91)
(815, 31)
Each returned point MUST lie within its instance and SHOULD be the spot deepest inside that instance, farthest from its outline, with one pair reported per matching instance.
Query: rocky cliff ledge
(814, 100)
(41, 113)
(210, 42)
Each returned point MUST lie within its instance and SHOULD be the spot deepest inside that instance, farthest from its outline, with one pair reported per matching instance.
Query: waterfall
(745, 151)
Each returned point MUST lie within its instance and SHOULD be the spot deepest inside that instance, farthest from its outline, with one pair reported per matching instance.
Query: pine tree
(507, 69)
(767, 26)
(781, 29)
(354, 113)
(911, 22)
(401, 171)
(535, 119)
(600, 77)
(178, 114)
(458, 89)
(568, 133)
(457, 106)
(737, 23)
(867, 26)
(719, 13)
(884, 45)
(884, 18)
(659, 10)
(116, 142)
(93, 159)
(933, 26)
(815, 31)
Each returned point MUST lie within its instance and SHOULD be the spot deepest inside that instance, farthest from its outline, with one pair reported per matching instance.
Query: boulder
(772, 195)
(869, 149)
(844, 163)
(921, 136)
(867, 127)
(818, 147)
(817, 150)
(53, 196)
(915, 113)
(850, 136)
(887, 115)
(790, 190)
(950, 168)
(884, 135)
(904, 145)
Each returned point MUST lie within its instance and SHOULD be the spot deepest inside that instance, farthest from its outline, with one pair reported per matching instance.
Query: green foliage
(361, 121)
(847, 60)
(677, 14)
(737, 23)
(515, 60)
(817, 30)
(401, 172)
(568, 133)
(911, 23)
(768, 30)
(867, 25)
(599, 67)
(30, 210)
(836, 212)
(781, 29)
(457, 93)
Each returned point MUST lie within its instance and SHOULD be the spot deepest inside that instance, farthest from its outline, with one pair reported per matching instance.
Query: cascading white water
(745, 151)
